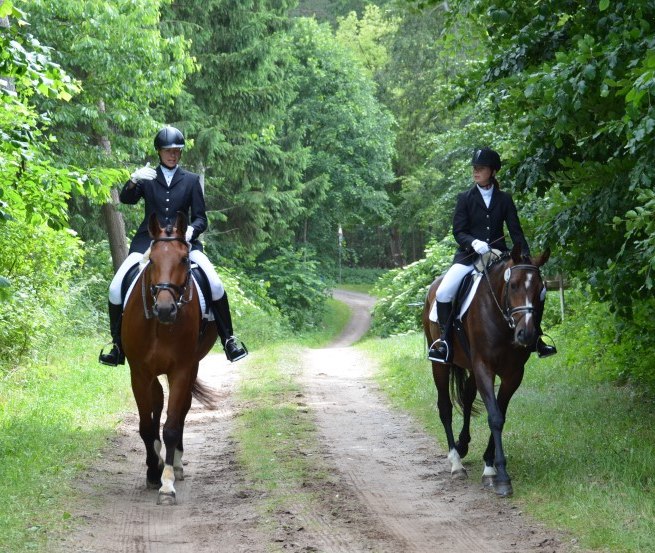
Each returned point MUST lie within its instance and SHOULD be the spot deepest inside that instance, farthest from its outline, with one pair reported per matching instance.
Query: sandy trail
(390, 485)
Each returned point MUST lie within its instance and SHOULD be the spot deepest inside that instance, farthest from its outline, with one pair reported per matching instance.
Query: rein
(508, 312)
(178, 292)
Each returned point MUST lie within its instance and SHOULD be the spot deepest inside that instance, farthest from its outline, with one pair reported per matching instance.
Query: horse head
(168, 273)
(523, 295)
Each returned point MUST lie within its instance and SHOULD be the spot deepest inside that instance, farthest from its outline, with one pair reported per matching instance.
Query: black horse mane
(169, 230)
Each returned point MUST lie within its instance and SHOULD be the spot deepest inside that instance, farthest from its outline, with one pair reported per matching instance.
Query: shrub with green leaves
(402, 291)
(294, 283)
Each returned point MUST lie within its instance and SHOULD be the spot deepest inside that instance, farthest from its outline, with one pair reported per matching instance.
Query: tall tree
(348, 134)
(235, 109)
(128, 71)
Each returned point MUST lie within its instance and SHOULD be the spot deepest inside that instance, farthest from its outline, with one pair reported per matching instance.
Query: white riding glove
(145, 173)
(480, 247)
(189, 233)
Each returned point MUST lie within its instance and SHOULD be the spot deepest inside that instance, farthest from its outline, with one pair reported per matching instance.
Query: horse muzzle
(166, 313)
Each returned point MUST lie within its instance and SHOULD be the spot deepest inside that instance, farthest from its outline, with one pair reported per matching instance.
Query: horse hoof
(153, 484)
(179, 473)
(488, 482)
(459, 474)
(166, 498)
(503, 489)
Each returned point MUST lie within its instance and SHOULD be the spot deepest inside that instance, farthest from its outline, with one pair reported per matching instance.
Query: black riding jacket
(473, 220)
(184, 194)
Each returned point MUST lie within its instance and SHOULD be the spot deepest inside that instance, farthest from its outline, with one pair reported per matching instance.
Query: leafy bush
(293, 282)
(357, 275)
(603, 346)
(402, 291)
(39, 265)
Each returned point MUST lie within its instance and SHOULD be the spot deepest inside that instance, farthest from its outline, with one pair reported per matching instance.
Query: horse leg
(179, 396)
(496, 418)
(157, 394)
(508, 387)
(470, 391)
(148, 425)
(178, 468)
(441, 376)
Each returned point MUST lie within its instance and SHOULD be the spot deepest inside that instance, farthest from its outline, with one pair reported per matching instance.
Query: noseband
(508, 311)
(178, 292)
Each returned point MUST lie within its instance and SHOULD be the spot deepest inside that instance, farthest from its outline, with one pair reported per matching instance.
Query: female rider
(167, 190)
(478, 222)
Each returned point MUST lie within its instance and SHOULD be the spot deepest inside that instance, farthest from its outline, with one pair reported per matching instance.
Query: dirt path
(390, 485)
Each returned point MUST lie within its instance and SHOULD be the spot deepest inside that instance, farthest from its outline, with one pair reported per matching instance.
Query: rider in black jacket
(480, 214)
(167, 190)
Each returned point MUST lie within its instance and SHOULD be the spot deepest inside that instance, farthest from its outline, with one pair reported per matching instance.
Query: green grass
(362, 288)
(275, 429)
(53, 420)
(335, 318)
(580, 452)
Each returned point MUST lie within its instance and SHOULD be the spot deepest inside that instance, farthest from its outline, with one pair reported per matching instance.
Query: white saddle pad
(477, 277)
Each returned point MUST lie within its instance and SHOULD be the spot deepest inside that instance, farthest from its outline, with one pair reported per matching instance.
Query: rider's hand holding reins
(480, 247)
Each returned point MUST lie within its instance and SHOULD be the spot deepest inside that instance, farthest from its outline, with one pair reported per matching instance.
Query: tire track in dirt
(395, 470)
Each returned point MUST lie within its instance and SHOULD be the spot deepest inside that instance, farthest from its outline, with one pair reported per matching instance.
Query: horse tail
(457, 382)
(457, 390)
(206, 395)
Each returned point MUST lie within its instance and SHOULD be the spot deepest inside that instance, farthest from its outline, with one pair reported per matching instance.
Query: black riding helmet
(487, 158)
(169, 137)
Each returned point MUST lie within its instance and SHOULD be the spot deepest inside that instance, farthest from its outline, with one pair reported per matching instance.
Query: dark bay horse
(162, 335)
(500, 329)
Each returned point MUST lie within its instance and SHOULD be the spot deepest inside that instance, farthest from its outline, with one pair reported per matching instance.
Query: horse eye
(185, 260)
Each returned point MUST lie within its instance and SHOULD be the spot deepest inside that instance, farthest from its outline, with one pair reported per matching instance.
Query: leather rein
(178, 292)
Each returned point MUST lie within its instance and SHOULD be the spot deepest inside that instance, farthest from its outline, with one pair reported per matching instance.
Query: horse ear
(153, 225)
(181, 223)
(543, 258)
(516, 253)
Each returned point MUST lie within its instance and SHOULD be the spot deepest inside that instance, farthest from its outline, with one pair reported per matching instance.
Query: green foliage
(127, 69)
(293, 281)
(402, 291)
(39, 265)
(348, 137)
(235, 107)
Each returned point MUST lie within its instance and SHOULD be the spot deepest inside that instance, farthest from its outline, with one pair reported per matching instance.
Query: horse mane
(169, 230)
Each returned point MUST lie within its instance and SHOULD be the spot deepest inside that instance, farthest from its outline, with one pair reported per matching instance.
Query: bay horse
(499, 329)
(162, 335)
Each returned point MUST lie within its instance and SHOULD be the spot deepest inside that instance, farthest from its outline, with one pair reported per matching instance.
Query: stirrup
(234, 349)
(111, 359)
(433, 355)
(547, 350)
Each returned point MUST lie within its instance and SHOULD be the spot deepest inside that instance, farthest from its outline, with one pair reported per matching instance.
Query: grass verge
(580, 452)
(275, 430)
(53, 419)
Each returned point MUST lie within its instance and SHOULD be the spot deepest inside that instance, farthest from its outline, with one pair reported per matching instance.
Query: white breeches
(196, 256)
(451, 281)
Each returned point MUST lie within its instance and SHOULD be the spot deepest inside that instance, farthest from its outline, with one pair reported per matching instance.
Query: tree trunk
(113, 218)
(396, 250)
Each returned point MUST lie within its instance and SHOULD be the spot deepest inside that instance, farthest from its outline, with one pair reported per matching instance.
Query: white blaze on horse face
(528, 303)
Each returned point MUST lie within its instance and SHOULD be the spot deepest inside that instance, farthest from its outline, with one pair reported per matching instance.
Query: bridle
(508, 311)
(178, 292)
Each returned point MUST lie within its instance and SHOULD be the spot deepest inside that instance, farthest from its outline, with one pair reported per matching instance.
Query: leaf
(603, 5)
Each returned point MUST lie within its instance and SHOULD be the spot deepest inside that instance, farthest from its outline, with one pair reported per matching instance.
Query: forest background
(332, 138)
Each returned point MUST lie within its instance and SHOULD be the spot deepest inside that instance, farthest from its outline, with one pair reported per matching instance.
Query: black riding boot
(441, 350)
(234, 349)
(115, 355)
(542, 348)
